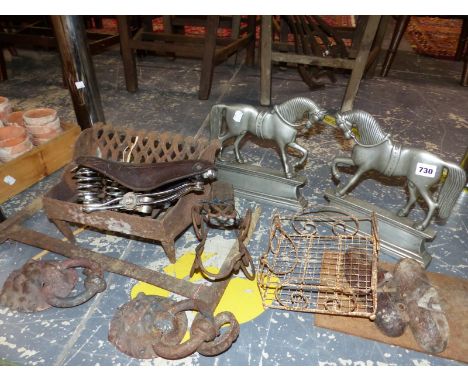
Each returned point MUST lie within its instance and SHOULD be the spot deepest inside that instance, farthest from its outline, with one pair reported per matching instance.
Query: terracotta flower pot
(39, 116)
(9, 153)
(5, 107)
(46, 128)
(12, 135)
(15, 118)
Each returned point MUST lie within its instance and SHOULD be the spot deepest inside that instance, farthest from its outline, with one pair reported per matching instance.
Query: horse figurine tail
(453, 185)
(216, 120)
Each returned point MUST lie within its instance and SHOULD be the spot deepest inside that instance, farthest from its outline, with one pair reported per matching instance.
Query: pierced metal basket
(318, 262)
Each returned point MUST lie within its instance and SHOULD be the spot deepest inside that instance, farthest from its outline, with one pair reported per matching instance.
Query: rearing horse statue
(375, 151)
(279, 124)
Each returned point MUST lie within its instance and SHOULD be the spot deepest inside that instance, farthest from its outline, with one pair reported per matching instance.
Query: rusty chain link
(205, 336)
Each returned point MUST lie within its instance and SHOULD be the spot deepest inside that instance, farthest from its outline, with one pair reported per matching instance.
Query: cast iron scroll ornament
(137, 187)
(279, 124)
(220, 212)
(374, 150)
(151, 326)
(38, 285)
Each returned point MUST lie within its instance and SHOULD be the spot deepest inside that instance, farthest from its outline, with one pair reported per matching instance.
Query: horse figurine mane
(369, 129)
(294, 109)
(374, 151)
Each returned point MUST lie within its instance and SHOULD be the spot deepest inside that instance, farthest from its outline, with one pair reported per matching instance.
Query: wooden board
(38, 163)
(453, 293)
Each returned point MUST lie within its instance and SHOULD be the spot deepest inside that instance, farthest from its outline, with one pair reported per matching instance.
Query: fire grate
(319, 262)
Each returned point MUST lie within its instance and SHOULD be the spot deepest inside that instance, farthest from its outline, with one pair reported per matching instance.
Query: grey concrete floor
(420, 103)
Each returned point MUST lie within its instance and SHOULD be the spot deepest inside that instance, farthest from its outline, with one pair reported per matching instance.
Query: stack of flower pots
(43, 124)
(19, 130)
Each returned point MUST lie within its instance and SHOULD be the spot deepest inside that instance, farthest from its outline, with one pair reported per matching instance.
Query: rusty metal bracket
(220, 212)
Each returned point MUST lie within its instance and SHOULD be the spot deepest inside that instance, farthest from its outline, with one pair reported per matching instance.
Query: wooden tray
(29, 168)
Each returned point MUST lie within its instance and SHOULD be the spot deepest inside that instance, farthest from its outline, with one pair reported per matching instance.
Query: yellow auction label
(330, 120)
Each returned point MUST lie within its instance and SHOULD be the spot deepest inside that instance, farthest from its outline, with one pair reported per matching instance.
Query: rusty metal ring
(203, 329)
(94, 283)
(246, 262)
(223, 341)
(198, 264)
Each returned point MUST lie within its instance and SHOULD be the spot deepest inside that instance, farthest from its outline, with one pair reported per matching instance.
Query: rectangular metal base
(397, 236)
(263, 185)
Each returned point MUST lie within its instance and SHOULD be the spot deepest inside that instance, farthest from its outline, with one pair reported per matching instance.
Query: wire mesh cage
(321, 262)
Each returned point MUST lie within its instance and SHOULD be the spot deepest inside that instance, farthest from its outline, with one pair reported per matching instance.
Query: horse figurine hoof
(402, 213)
(419, 227)
(339, 192)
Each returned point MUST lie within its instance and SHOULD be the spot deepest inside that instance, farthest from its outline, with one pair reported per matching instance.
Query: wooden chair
(357, 61)
(209, 48)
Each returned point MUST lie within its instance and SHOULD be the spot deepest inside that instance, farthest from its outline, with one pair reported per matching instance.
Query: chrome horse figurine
(375, 151)
(280, 124)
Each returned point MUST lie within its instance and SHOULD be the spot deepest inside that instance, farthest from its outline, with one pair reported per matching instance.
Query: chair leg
(464, 80)
(235, 27)
(361, 23)
(251, 30)
(265, 61)
(3, 68)
(128, 55)
(400, 28)
(167, 24)
(208, 61)
(377, 47)
(360, 62)
(462, 40)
